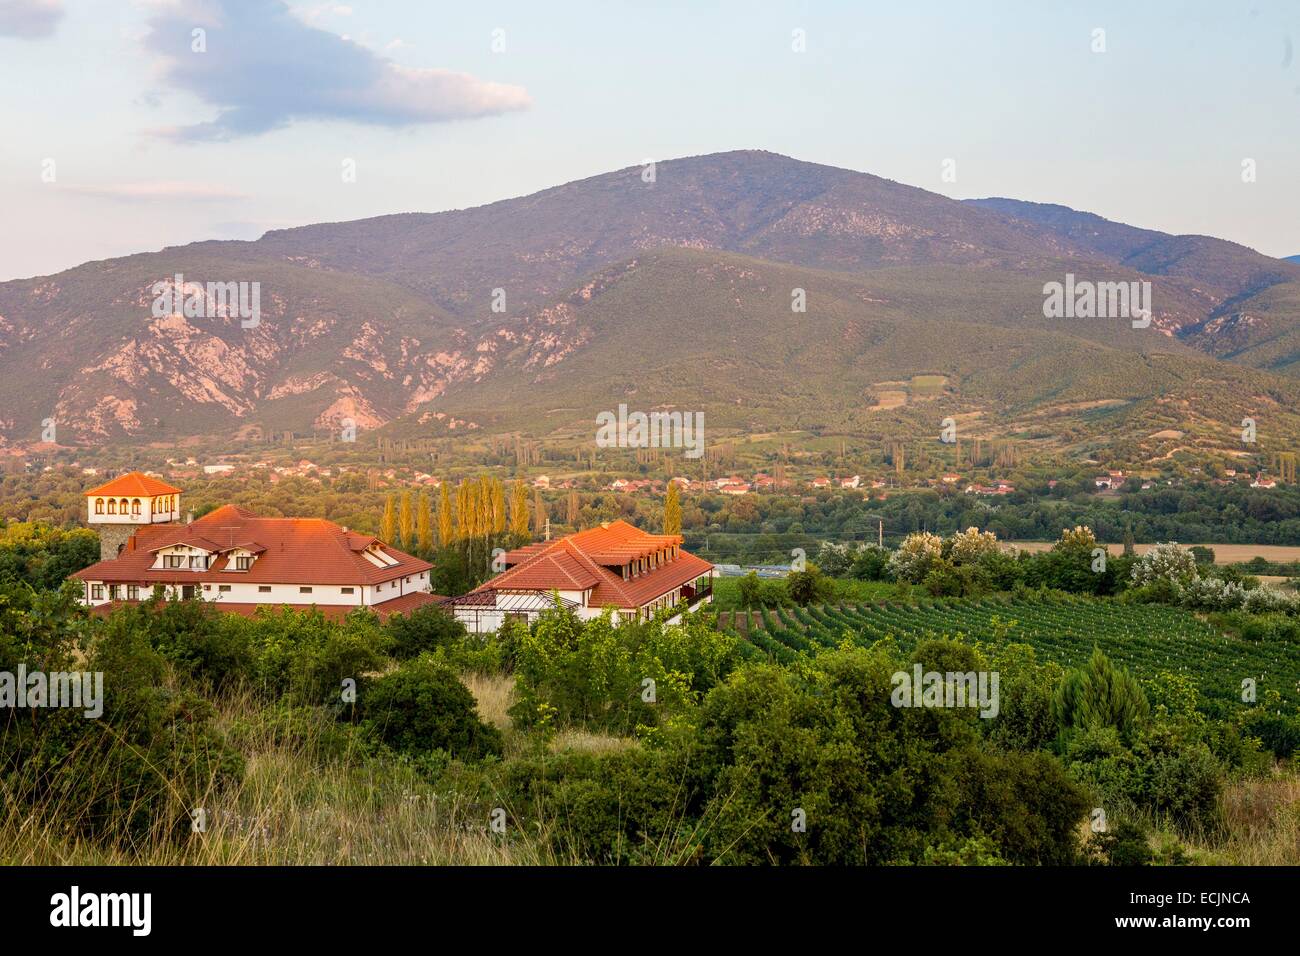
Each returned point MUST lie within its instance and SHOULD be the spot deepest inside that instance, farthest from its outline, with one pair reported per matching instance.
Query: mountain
(1291, 259)
(668, 289)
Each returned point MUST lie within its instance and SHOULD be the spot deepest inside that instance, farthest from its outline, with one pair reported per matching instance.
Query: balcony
(693, 595)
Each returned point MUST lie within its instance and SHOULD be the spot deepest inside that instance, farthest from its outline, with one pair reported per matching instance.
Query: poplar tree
(446, 529)
(464, 514)
(519, 509)
(407, 521)
(498, 507)
(672, 511)
(388, 527)
(424, 523)
(539, 513)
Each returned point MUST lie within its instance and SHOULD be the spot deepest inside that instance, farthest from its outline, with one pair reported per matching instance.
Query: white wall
(245, 592)
(151, 511)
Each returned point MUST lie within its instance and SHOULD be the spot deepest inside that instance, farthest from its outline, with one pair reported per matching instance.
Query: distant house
(218, 469)
(853, 482)
(820, 482)
(615, 565)
(999, 488)
(1263, 482)
(950, 478)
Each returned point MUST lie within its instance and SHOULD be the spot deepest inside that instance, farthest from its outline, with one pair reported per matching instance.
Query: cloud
(30, 19)
(265, 68)
(157, 190)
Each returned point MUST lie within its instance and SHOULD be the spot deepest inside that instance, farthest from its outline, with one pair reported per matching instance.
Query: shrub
(1165, 562)
(1210, 594)
(135, 772)
(916, 557)
(1100, 695)
(422, 707)
(808, 586)
(423, 629)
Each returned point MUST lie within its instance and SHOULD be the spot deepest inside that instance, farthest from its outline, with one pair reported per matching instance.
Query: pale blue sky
(154, 145)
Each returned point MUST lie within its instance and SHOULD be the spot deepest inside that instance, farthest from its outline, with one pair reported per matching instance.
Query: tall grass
(302, 801)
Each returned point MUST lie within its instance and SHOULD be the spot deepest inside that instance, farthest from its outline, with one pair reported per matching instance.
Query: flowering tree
(1165, 562)
(916, 556)
(970, 545)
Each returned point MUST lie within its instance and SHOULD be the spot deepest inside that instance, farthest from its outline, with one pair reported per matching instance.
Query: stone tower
(126, 504)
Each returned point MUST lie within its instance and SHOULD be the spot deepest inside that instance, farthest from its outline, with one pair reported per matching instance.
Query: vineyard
(1145, 638)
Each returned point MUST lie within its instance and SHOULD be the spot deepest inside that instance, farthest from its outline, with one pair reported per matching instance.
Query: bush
(422, 707)
(138, 770)
(1100, 695)
(871, 564)
(1165, 562)
(916, 557)
(943, 580)
(423, 629)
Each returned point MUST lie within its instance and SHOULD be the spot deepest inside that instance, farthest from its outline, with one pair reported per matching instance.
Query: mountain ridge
(389, 321)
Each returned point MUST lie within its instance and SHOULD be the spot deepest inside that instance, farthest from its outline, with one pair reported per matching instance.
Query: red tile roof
(134, 485)
(582, 561)
(293, 551)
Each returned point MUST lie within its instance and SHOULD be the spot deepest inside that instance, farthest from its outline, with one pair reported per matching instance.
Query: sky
(124, 130)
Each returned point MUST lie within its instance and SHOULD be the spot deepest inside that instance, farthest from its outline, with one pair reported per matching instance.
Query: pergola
(529, 603)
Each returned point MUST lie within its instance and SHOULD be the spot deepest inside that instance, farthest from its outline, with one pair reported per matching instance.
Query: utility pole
(881, 538)
(548, 529)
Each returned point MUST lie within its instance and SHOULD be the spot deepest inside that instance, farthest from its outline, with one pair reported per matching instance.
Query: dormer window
(173, 561)
(243, 562)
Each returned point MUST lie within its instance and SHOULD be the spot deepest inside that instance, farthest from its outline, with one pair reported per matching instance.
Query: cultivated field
(1145, 638)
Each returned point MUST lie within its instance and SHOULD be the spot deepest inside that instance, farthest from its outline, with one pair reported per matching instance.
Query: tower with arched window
(127, 503)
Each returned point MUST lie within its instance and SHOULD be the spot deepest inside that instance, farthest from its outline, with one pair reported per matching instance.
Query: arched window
(112, 506)
(99, 506)
(135, 507)
(124, 505)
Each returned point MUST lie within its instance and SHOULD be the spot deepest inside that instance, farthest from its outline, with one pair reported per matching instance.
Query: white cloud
(265, 67)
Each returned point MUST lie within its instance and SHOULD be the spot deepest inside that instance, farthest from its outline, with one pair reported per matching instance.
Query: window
(198, 562)
(348, 590)
(97, 592)
(99, 506)
(133, 592)
(304, 590)
(135, 506)
(173, 560)
(223, 588)
(243, 562)
(124, 505)
(264, 589)
(114, 592)
(112, 506)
